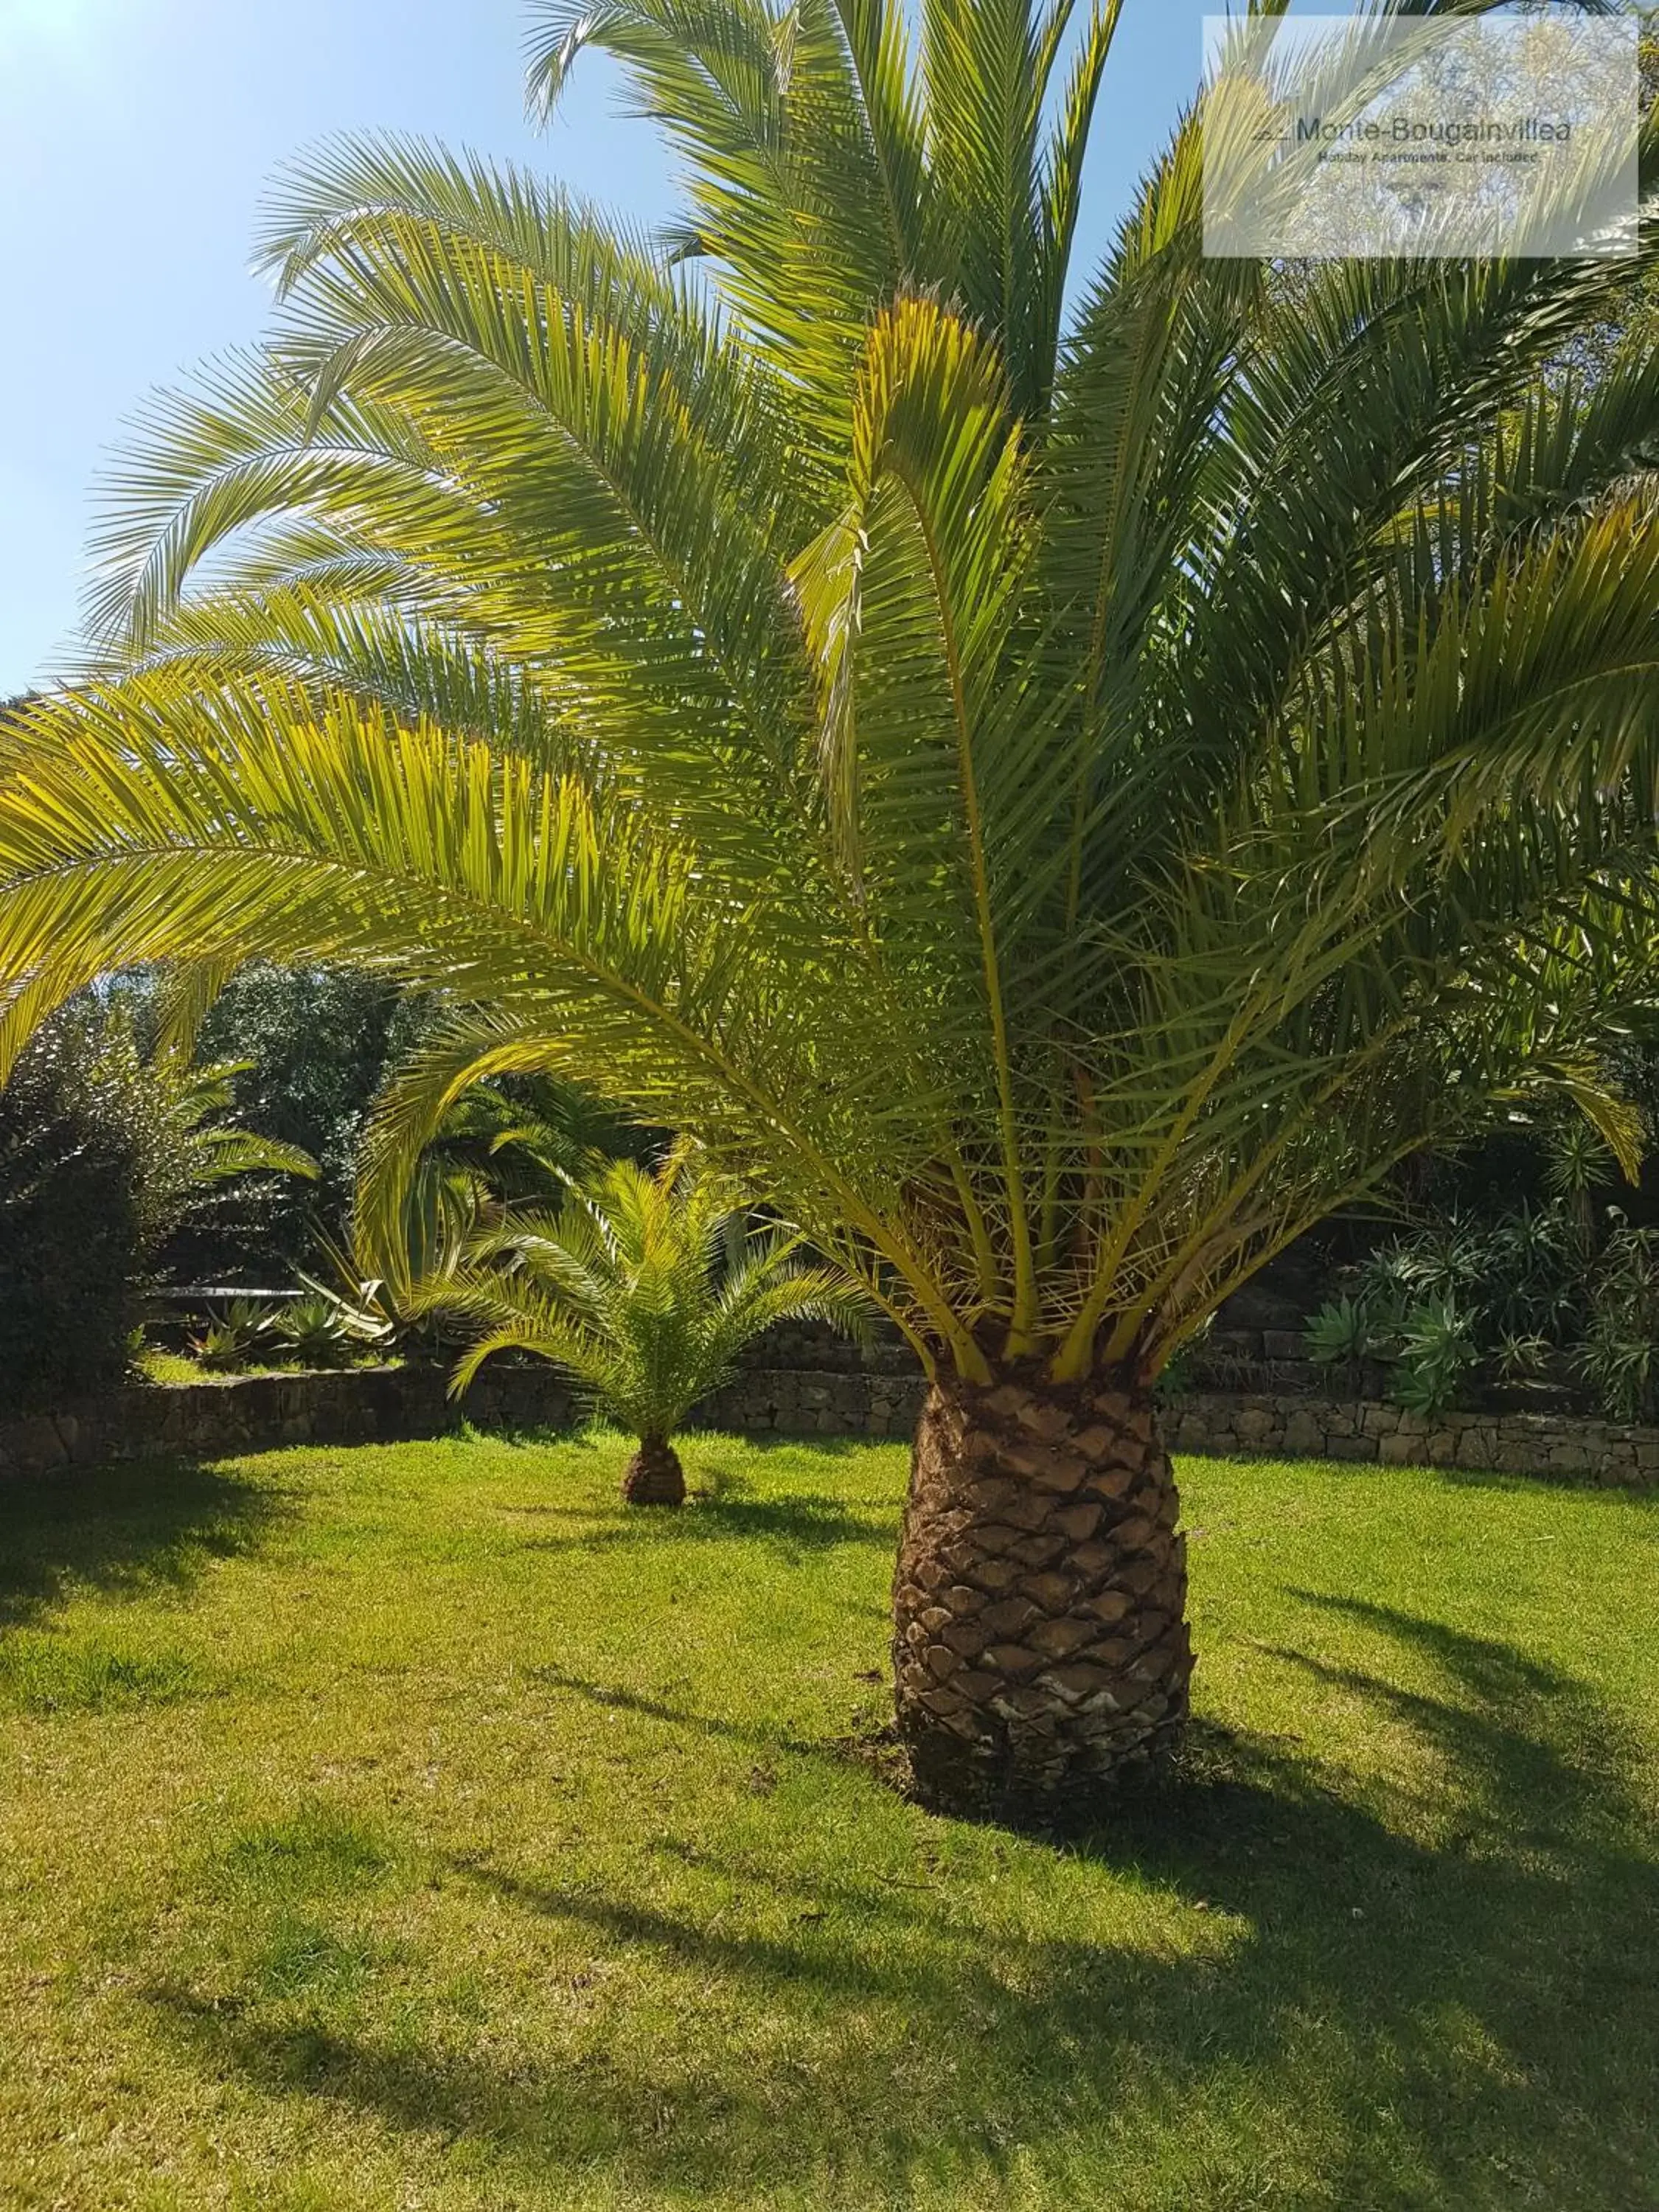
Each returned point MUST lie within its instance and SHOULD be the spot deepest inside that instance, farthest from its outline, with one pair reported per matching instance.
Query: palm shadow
(135, 1529)
(1481, 2002)
(1612, 1497)
(618, 1699)
(794, 1526)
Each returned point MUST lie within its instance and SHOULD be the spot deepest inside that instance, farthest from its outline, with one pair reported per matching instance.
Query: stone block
(1284, 1343)
(1300, 1378)
(1255, 1304)
(34, 1447)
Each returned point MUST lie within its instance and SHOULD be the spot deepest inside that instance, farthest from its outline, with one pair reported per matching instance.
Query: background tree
(311, 1045)
(307, 1049)
(109, 1157)
(1056, 805)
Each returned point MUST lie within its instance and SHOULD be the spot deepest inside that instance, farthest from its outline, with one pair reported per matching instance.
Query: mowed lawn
(413, 1827)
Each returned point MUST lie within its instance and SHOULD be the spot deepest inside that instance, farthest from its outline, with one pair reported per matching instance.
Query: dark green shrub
(1551, 1294)
(1619, 1355)
(84, 1171)
(107, 1152)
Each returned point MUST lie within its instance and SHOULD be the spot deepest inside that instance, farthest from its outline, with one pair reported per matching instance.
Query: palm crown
(1056, 804)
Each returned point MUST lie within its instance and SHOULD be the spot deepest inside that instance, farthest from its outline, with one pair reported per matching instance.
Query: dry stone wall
(805, 1402)
(1561, 1446)
(1261, 1426)
(254, 1412)
(364, 1405)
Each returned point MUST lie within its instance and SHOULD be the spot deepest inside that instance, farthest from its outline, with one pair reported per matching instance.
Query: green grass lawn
(413, 1827)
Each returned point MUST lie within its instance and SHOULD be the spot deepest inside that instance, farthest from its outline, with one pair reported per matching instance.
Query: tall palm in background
(1056, 802)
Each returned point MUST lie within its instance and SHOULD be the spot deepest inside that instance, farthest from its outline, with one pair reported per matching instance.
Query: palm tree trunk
(655, 1476)
(1040, 1642)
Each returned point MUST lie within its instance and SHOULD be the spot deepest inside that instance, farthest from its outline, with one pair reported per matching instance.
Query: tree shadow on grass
(1368, 2019)
(135, 1529)
(793, 1527)
(780, 1444)
(622, 1699)
(1598, 1497)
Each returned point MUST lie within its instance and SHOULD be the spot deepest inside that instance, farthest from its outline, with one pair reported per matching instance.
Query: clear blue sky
(135, 137)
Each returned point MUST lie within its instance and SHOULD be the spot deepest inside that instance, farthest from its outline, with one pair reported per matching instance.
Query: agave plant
(644, 1288)
(1343, 1332)
(312, 1330)
(233, 1332)
(1056, 801)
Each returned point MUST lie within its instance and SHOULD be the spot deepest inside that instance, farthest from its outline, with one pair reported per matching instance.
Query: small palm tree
(644, 1288)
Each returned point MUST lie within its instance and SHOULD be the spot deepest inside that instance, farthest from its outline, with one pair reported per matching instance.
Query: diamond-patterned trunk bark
(655, 1476)
(1040, 1640)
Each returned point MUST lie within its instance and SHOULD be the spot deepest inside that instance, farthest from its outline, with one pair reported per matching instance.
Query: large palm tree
(1056, 799)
